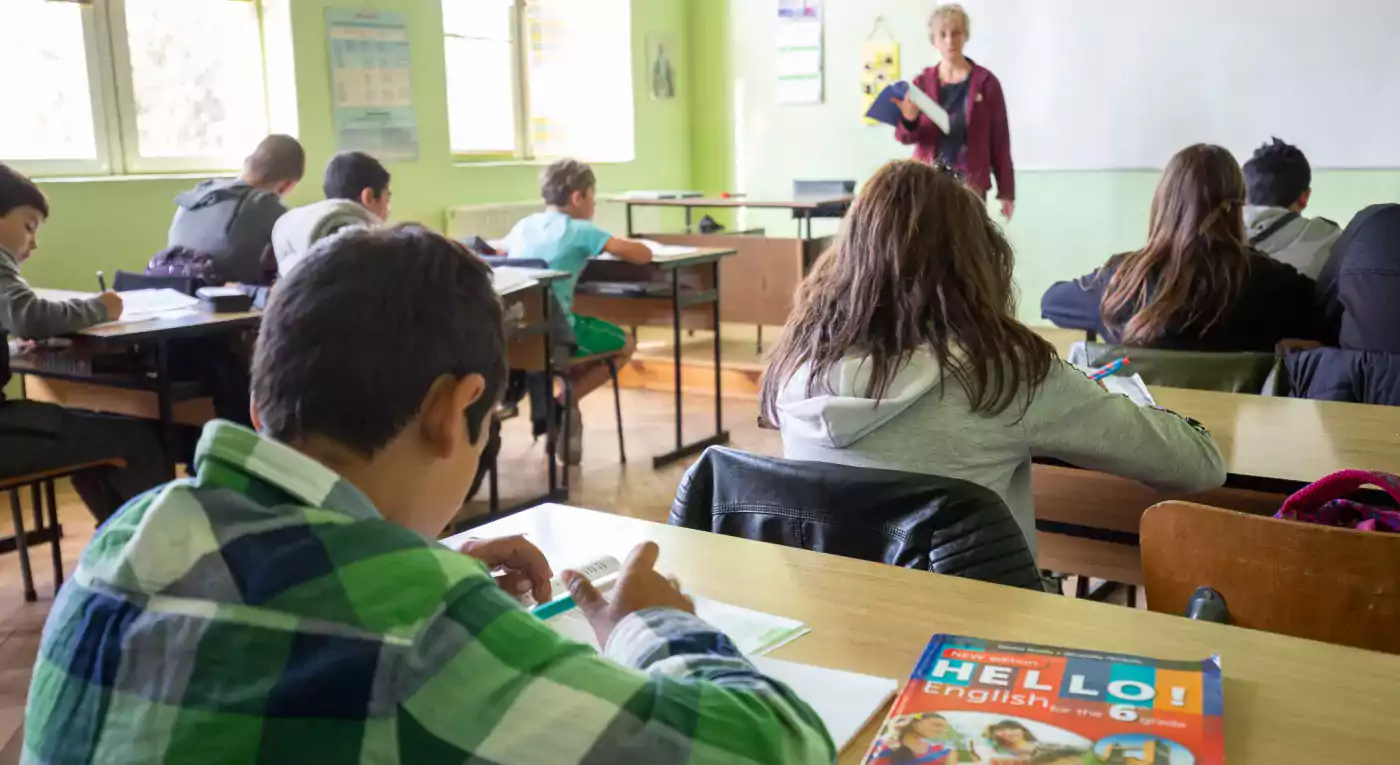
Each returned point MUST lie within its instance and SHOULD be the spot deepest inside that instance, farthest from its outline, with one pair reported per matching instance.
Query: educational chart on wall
(990, 701)
(799, 49)
(879, 69)
(371, 83)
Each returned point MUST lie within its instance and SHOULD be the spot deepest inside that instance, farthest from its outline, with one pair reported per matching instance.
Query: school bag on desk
(1324, 502)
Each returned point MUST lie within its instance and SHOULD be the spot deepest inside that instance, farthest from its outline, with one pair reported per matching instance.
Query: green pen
(553, 608)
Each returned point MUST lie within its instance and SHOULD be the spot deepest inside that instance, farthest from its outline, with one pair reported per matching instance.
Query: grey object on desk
(224, 299)
(823, 190)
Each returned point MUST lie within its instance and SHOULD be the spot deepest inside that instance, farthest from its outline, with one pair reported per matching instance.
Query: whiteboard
(1099, 84)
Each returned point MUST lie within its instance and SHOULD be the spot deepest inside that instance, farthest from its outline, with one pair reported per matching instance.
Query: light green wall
(1066, 223)
(119, 223)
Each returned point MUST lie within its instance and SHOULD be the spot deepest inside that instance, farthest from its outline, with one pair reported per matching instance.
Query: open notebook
(846, 701)
(1131, 386)
(753, 632)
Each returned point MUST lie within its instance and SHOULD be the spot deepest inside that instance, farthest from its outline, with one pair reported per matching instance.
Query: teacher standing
(978, 142)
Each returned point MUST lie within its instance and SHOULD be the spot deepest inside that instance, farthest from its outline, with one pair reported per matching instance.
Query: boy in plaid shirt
(290, 605)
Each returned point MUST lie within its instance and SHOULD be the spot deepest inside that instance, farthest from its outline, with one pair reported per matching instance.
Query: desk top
(1292, 439)
(804, 203)
(509, 280)
(182, 323)
(1286, 700)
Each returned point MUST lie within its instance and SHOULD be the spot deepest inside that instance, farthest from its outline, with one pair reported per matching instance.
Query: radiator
(495, 221)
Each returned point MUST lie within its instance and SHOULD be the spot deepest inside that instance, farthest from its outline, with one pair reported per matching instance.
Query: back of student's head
(564, 178)
(278, 159)
(1196, 259)
(349, 173)
(357, 335)
(918, 265)
(1278, 175)
(16, 190)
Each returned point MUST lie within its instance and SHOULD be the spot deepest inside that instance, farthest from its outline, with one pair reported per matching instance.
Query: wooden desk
(758, 284)
(155, 333)
(1286, 700)
(1272, 447)
(683, 299)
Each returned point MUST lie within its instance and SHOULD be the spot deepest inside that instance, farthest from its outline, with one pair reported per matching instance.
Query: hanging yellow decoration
(879, 70)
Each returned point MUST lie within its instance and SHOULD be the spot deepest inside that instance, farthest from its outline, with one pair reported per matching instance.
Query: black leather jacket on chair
(917, 521)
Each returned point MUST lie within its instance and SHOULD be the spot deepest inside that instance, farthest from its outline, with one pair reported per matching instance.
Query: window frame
(526, 150)
(520, 92)
(111, 88)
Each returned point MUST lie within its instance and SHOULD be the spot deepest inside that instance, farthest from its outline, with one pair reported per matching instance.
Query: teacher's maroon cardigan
(988, 134)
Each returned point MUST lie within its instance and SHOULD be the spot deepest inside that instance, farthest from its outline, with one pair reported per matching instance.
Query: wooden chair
(1316, 582)
(36, 483)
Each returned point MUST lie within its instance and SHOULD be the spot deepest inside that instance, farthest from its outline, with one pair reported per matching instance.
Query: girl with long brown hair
(903, 352)
(1198, 284)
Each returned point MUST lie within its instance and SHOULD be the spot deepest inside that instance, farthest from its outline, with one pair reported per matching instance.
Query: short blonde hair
(949, 12)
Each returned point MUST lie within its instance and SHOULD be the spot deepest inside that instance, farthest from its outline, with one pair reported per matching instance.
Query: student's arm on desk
(628, 251)
(545, 698)
(27, 315)
(1075, 420)
(1074, 304)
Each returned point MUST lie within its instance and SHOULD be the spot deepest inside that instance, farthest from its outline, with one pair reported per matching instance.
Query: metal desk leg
(22, 547)
(719, 400)
(548, 307)
(683, 449)
(688, 219)
(676, 345)
(628, 207)
(164, 404)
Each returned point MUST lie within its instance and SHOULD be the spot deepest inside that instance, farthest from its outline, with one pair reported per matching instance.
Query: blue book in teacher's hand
(885, 109)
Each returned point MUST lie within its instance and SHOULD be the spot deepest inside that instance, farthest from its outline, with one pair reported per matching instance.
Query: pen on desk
(553, 608)
(101, 281)
(1110, 369)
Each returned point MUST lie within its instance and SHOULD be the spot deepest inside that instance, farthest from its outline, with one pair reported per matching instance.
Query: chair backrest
(1257, 373)
(904, 519)
(1316, 582)
(127, 281)
(497, 261)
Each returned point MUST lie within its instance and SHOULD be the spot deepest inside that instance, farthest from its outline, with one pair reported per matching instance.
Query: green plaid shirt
(265, 612)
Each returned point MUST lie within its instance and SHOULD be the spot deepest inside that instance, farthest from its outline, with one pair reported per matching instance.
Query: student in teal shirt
(565, 237)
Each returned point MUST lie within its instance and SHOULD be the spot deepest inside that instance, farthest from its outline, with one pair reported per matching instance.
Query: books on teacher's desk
(972, 700)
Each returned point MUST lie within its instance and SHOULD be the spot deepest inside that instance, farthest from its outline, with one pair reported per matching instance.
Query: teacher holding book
(977, 143)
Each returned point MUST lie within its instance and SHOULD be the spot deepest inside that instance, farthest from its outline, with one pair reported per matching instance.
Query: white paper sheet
(506, 280)
(846, 701)
(930, 107)
(140, 305)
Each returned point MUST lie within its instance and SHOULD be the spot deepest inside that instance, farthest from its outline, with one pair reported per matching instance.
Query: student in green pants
(565, 237)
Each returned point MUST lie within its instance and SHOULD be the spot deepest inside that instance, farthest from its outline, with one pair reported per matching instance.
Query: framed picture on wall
(661, 66)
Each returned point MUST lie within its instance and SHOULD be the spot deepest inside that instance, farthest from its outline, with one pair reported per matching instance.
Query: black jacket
(1276, 303)
(1360, 285)
(912, 520)
(1332, 374)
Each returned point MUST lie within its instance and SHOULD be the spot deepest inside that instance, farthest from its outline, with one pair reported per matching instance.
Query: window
(131, 86)
(566, 92)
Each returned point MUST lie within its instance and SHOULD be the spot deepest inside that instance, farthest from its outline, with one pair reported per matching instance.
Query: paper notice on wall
(371, 83)
(799, 52)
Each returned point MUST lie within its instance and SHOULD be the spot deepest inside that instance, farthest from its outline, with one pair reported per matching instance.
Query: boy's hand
(524, 566)
(638, 588)
(113, 303)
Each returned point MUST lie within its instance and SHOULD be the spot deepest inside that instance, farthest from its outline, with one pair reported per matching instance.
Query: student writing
(903, 353)
(565, 237)
(357, 193)
(231, 220)
(37, 437)
(291, 604)
(1197, 285)
(1279, 181)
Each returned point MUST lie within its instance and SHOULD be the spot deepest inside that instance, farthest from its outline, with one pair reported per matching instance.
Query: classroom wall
(1066, 223)
(112, 223)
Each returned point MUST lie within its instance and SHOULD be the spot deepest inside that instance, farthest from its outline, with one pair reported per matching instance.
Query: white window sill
(136, 177)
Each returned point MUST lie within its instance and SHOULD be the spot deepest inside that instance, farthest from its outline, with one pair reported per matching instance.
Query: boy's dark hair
(16, 190)
(354, 338)
(351, 172)
(278, 158)
(560, 180)
(1277, 175)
